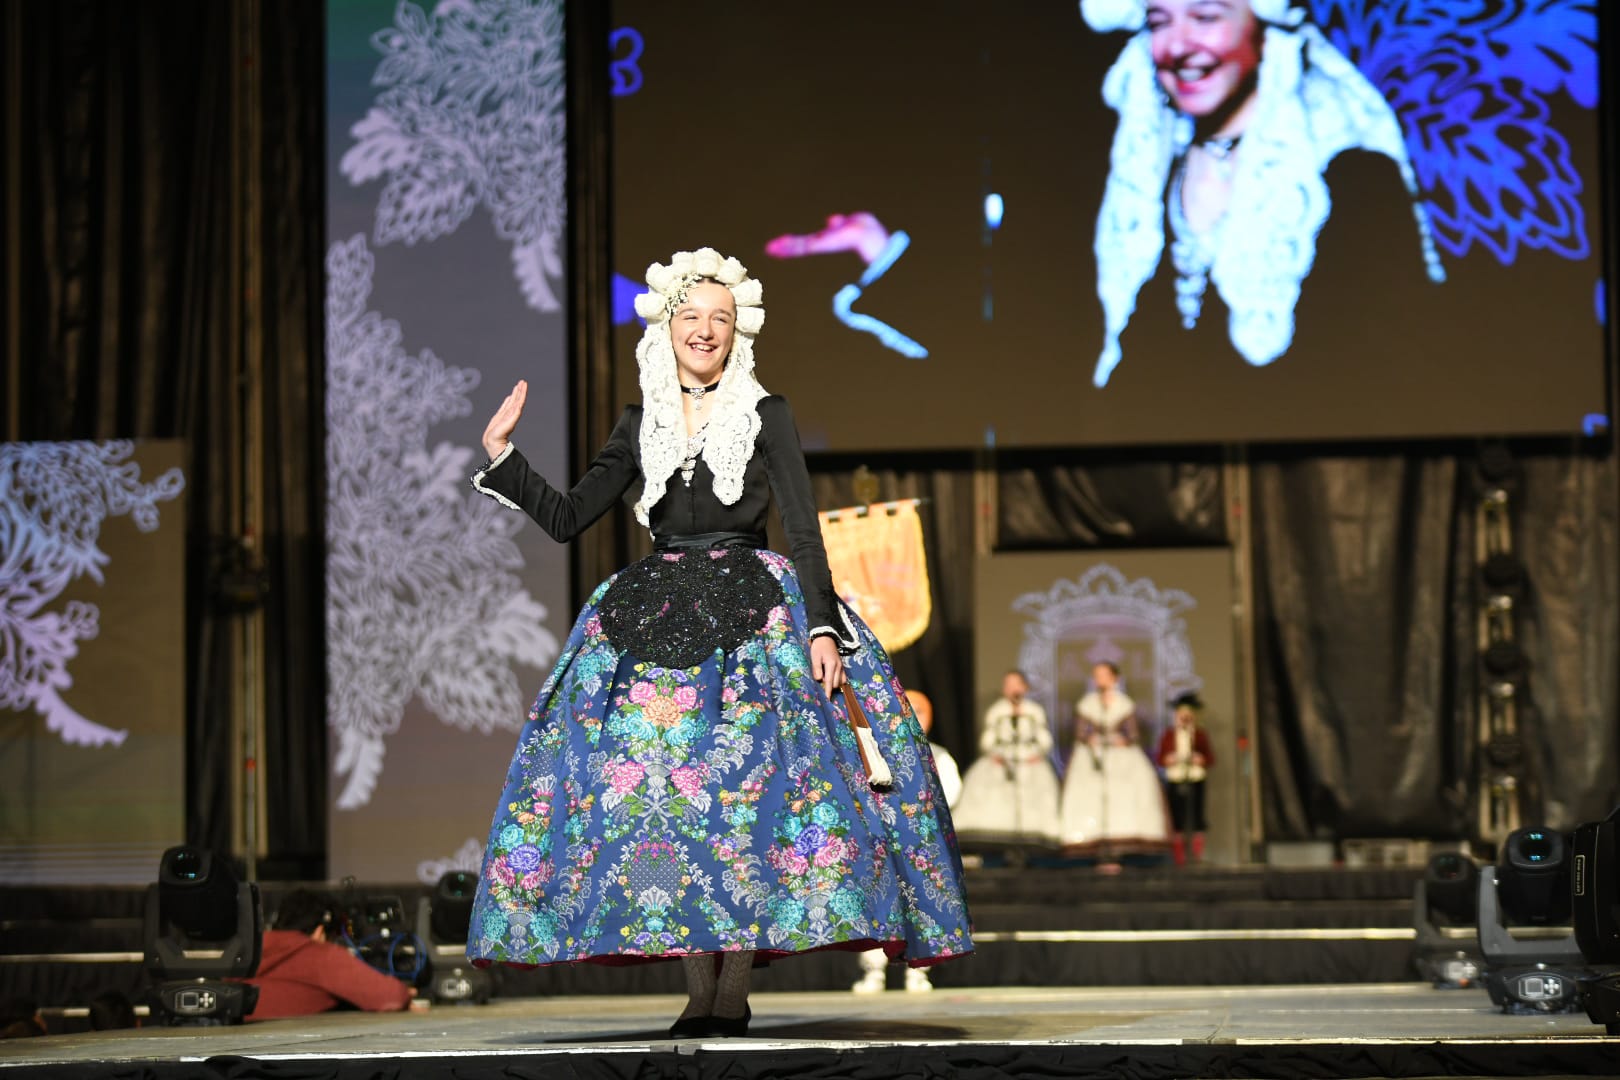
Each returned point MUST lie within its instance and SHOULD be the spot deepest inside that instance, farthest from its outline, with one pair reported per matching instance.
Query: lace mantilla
(1312, 105)
(733, 426)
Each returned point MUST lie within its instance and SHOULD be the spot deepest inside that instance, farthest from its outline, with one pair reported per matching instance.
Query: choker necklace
(698, 392)
(1220, 147)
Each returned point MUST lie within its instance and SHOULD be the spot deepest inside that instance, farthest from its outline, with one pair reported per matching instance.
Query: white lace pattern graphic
(471, 113)
(423, 596)
(53, 500)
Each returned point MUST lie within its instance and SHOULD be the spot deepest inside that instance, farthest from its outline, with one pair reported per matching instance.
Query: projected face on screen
(1147, 220)
(1207, 53)
(1236, 136)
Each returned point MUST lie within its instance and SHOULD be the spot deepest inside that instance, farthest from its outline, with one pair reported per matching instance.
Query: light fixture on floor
(1445, 914)
(1596, 897)
(203, 926)
(443, 920)
(1595, 893)
(1538, 969)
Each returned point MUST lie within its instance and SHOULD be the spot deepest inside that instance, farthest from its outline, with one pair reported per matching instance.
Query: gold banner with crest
(880, 568)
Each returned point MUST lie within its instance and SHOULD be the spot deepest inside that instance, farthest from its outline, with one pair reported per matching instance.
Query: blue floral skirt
(654, 811)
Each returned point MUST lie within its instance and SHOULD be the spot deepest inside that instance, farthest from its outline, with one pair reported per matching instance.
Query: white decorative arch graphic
(1104, 605)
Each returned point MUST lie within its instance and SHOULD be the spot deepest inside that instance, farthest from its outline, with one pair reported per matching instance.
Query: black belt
(709, 541)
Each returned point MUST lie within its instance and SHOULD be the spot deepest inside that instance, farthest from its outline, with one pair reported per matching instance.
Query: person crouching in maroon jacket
(1185, 755)
(301, 973)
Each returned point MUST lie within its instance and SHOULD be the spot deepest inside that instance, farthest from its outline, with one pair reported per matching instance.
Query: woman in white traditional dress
(1010, 794)
(1112, 802)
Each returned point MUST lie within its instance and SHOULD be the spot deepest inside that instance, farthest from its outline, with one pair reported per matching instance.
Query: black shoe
(691, 1027)
(723, 1028)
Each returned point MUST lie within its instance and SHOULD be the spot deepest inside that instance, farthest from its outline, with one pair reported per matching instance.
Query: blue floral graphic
(1474, 83)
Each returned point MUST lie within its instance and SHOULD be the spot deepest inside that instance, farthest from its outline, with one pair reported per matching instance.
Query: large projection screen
(961, 230)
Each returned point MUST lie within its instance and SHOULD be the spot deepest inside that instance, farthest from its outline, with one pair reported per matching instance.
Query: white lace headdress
(1312, 104)
(733, 426)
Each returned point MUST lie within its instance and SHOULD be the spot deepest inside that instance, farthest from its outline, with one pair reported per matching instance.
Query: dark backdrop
(167, 155)
(128, 315)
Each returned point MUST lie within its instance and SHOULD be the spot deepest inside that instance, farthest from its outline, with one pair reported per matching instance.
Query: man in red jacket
(1185, 755)
(301, 973)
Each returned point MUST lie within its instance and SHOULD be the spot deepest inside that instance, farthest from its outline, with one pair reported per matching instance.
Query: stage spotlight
(1596, 889)
(1504, 660)
(202, 926)
(1451, 882)
(1503, 572)
(1496, 463)
(1540, 968)
(1445, 903)
(442, 921)
(1602, 996)
(1533, 880)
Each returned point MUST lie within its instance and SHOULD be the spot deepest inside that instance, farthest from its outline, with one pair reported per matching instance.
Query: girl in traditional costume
(687, 786)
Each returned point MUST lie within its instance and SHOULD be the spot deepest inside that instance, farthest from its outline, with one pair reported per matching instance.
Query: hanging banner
(880, 568)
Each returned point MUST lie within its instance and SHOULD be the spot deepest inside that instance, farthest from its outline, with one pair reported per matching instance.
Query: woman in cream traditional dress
(1112, 801)
(1010, 794)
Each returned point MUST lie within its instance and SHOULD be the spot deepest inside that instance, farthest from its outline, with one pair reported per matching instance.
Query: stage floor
(1320, 1030)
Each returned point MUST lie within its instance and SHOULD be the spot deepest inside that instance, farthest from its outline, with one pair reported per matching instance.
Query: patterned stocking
(731, 996)
(700, 984)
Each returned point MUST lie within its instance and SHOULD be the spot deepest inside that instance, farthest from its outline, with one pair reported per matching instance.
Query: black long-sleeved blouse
(686, 511)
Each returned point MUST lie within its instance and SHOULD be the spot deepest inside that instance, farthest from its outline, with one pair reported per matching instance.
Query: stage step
(1035, 926)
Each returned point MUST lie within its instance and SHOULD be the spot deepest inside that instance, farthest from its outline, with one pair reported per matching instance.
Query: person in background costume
(1010, 793)
(1112, 801)
(1185, 755)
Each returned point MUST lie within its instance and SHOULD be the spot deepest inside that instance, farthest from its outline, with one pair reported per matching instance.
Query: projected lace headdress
(728, 437)
(1312, 104)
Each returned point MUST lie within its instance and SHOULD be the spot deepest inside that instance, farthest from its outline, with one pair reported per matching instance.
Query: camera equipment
(442, 920)
(202, 926)
(1539, 969)
(374, 928)
(1445, 905)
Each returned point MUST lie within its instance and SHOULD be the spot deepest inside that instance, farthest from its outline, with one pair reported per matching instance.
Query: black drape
(1172, 498)
(1366, 600)
(167, 232)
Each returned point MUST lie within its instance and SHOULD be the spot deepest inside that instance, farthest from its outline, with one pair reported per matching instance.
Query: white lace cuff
(478, 479)
(848, 641)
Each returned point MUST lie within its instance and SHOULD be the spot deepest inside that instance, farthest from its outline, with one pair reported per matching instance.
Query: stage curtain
(1365, 596)
(130, 236)
(1137, 498)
